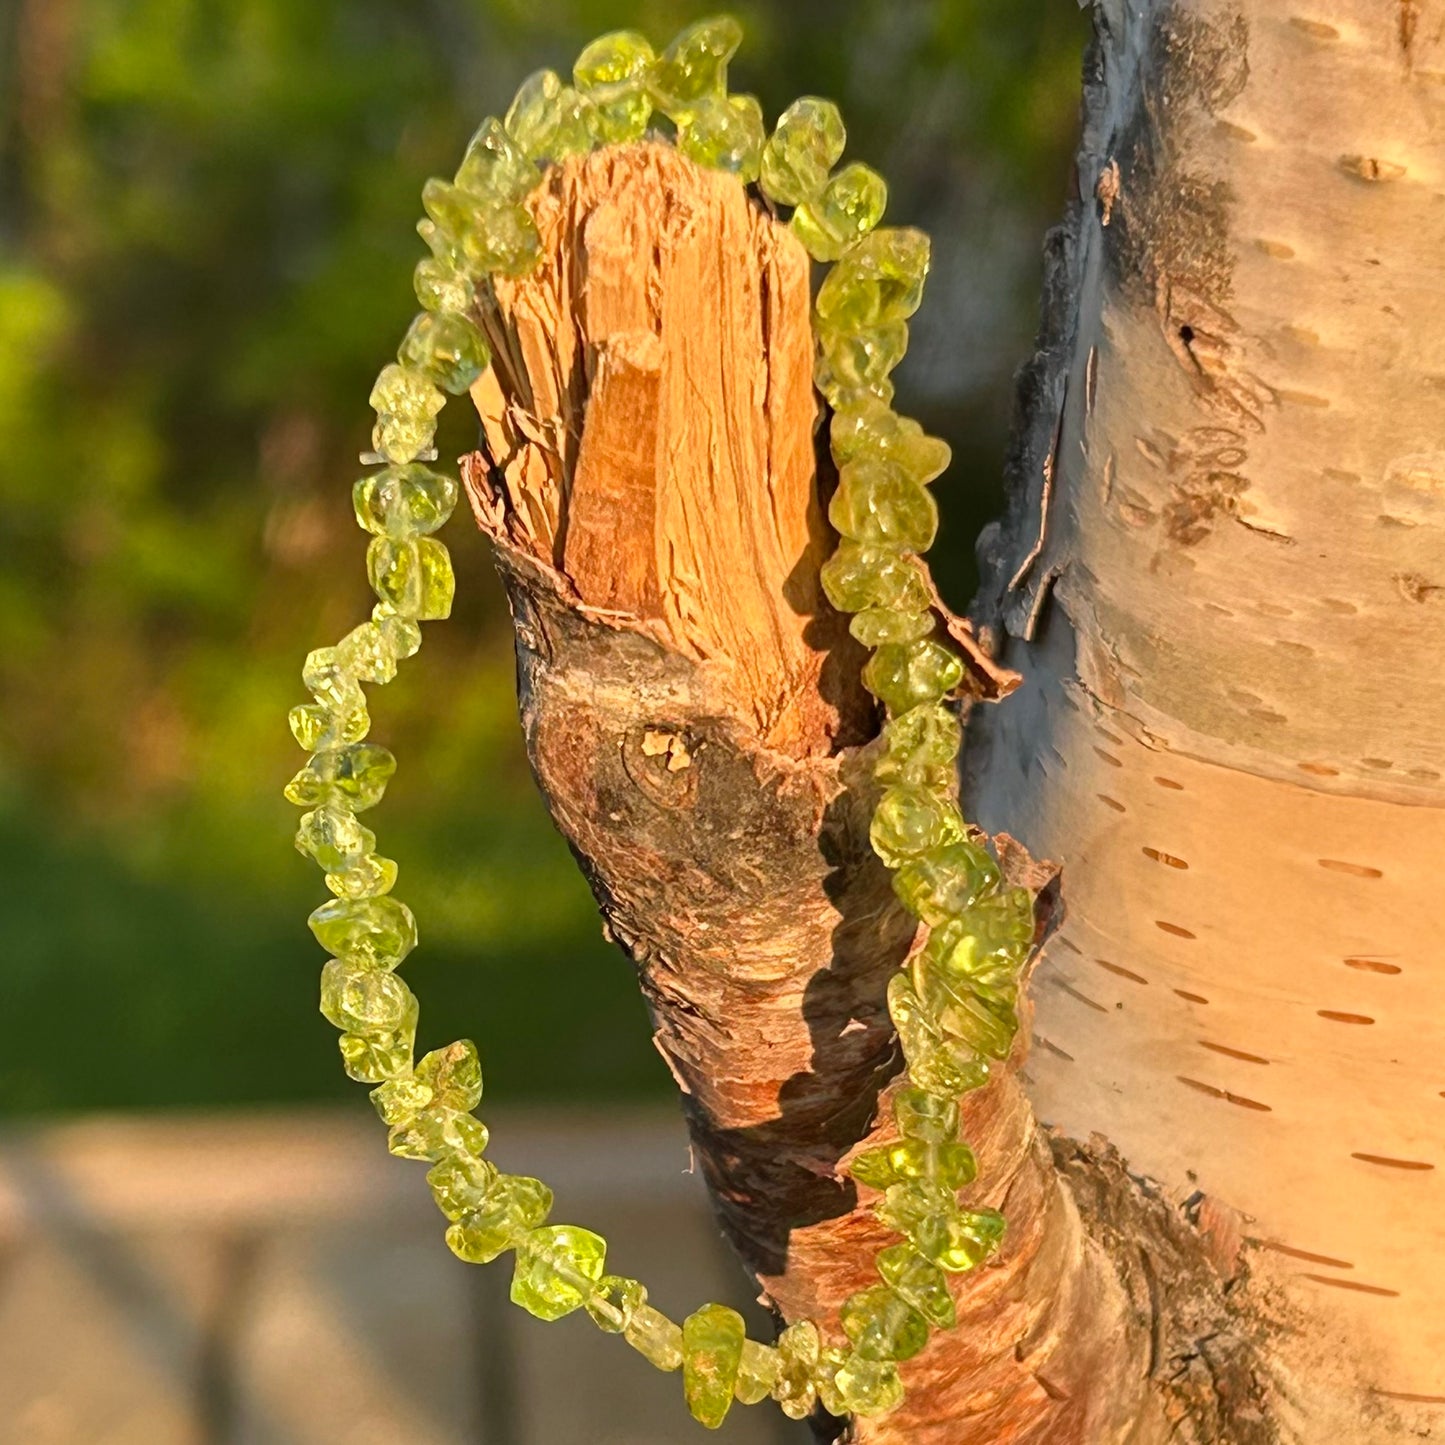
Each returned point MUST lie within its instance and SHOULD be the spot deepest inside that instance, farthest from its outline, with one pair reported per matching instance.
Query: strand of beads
(953, 1008)
(954, 1005)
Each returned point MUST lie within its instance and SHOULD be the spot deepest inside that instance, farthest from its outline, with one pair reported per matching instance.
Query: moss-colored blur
(206, 247)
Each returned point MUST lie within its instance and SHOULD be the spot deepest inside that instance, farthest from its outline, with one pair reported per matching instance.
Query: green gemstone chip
(712, 1347)
(803, 148)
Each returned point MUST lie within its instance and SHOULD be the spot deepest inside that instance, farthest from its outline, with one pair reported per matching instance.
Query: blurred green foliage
(206, 242)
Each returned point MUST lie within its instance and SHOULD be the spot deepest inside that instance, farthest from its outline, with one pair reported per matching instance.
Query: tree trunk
(1227, 327)
(1223, 580)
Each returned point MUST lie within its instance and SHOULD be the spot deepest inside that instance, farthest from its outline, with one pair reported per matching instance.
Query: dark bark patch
(1210, 1342)
(1173, 248)
(1358, 1285)
(1215, 1092)
(1275, 1247)
(1373, 965)
(1385, 1162)
(1203, 57)
(1407, 21)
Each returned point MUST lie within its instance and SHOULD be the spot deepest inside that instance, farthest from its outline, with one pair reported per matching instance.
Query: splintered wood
(650, 415)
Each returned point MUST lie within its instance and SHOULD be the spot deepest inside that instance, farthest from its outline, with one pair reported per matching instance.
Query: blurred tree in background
(206, 243)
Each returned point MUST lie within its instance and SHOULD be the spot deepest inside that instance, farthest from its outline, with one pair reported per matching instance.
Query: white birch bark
(1229, 608)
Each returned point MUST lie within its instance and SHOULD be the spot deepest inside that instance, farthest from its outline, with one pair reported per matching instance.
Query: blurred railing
(278, 1279)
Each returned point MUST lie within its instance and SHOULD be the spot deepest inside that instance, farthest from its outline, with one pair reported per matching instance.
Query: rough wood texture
(693, 716)
(1221, 577)
(686, 503)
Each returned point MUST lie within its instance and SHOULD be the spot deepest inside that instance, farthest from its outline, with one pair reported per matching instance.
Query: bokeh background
(207, 214)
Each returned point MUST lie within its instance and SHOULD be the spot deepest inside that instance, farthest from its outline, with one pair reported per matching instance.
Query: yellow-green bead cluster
(953, 1007)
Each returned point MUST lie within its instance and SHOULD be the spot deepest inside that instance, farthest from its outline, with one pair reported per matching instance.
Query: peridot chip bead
(548, 120)
(557, 1269)
(952, 1165)
(403, 502)
(369, 932)
(655, 1337)
(406, 404)
(878, 625)
(327, 678)
(476, 1242)
(1009, 914)
(922, 745)
(369, 877)
(997, 931)
(983, 1019)
(909, 821)
(712, 1347)
(758, 1369)
(442, 285)
(946, 883)
(798, 1352)
(361, 1000)
(402, 634)
(878, 282)
(494, 168)
(724, 133)
(453, 216)
(415, 577)
(612, 73)
(830, 1361)
(461, 1184)
(869, 427)
(509, 243)
(801, 151)
(614, 1302)
(908, 1204)
(399, 1100)
(373, 1058)
(873, 1169)
(882, 1325)
(919, 1281)
(438, 1133)
(867, 1387)
(317, 727)
(901, 675)
(364, 653)
(860, 575)
(695, 66)
(959, 1240)
(334, 838)
(447, 348)
(879, 504)
(851, 204)
(454, 1074)
(935, 1062)
(443, 241)
(856, 364)
(353, 777)
(489, 233)
(514, 1205)
(920, 1114)
(986, 1024)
